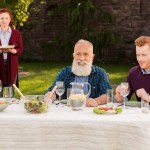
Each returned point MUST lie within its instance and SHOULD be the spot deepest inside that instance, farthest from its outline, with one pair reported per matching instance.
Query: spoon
(19, 91)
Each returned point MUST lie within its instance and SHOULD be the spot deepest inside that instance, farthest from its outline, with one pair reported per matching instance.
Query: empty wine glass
(124, 91)
(60, 89)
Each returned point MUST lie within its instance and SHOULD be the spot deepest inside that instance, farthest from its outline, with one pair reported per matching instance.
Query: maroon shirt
(12, 59)
(138, 80)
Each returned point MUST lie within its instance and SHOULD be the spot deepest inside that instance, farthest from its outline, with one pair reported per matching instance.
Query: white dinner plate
(6, 46)
(10, 100)
(109, 113)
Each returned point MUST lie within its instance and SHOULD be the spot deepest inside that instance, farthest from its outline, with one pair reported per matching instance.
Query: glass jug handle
(1, 86)
(89, 92)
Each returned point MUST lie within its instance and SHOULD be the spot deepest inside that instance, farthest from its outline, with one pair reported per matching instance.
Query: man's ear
(93, 56)
(73, 55)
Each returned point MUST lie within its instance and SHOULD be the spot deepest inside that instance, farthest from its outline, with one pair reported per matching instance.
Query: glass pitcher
(77, 98)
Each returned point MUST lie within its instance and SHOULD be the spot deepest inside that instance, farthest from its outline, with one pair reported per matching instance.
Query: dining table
(62, 128)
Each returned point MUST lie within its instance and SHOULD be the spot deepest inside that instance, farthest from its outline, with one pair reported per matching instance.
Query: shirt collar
(145, 72)
(8, 31)
(93, 69)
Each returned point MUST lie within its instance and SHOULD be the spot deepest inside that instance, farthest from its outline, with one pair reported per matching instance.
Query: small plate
(6, 46)
(64, 101)
(115, 110)
(3, 105)
(10, 100)
(133, 104)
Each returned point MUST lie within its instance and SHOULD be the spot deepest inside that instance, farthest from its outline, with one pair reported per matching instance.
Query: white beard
(80, 70)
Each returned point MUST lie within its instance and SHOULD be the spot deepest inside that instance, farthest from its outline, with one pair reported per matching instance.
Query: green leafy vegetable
(98, 111)
(35, 106)
(118, 109)
(103, 110)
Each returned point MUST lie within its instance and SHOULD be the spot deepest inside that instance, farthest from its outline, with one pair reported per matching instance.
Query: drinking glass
(110, 98)
(68, 94)
(124, 91)
(8, 92)
(60, 89)
(145, 107)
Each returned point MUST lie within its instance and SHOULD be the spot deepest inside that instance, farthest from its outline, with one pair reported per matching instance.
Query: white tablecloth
(61, 128)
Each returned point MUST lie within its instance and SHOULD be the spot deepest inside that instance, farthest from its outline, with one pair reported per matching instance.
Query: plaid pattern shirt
(98, 80)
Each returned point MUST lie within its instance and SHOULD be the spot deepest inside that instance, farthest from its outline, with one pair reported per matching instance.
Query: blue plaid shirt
(98, 80)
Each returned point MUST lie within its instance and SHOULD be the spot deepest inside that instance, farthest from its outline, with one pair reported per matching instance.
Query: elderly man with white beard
(83, 71)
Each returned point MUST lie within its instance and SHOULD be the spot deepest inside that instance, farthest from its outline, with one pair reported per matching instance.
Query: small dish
(7, 46)
(107, 110)
(3, 104)
(10, 100)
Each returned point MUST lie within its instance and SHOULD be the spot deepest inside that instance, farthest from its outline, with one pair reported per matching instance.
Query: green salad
(107, 110)
(35, 106)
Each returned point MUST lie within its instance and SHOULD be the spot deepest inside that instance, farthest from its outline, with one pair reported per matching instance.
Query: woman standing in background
(9, 56)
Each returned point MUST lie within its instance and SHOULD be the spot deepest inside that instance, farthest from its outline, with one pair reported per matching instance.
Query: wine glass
(60, 89)
(124, 91)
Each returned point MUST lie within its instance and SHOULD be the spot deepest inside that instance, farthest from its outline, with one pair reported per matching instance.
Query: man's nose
(82, 57)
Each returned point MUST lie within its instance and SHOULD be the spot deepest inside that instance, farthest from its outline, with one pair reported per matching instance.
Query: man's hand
(140, 92)
(91, 102)
(102, 99)
(143, 94)
(48, 94)
(118, 96)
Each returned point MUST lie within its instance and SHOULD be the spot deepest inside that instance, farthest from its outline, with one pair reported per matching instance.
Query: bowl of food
(35, 103)
(107, 110)
(3, 104)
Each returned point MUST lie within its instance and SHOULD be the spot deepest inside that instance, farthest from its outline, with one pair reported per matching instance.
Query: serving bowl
(35, 103)
(3, 104)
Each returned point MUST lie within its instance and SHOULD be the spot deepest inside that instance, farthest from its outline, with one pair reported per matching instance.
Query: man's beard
(80, 70)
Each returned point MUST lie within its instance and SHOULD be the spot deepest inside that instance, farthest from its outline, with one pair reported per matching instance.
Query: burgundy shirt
(138, 80)
(12, 59)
